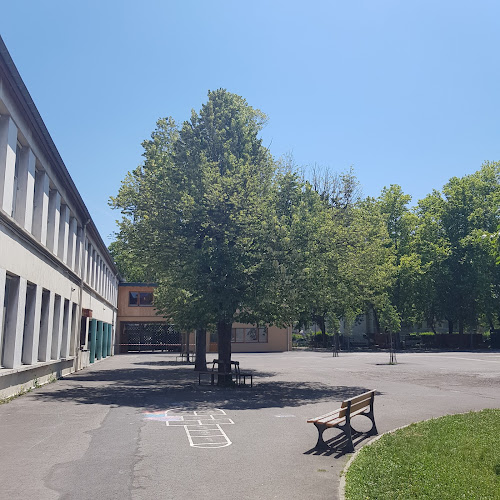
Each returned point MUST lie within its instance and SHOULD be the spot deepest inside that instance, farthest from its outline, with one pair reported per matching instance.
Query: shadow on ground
(337, 444)
(157, 388)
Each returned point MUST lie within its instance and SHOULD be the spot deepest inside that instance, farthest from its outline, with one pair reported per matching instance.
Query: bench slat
(326, 415)
(357, 402)
(365, 395)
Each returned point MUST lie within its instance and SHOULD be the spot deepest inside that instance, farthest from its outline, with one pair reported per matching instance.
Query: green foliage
(451, 457)
(445, 251)
(229, 234)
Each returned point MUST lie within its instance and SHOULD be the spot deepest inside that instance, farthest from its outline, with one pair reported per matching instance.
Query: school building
(58, 283)
(140, 329)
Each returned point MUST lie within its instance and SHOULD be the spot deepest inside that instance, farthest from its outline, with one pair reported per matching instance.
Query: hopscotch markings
(203, 428)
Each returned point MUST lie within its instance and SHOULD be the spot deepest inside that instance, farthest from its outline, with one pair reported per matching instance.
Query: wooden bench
(231, 369)
(341, 418)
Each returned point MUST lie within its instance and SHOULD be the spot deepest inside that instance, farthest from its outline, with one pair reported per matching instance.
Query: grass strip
(452, 457)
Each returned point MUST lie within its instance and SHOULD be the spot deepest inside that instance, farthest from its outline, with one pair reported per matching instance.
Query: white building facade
(58, 283)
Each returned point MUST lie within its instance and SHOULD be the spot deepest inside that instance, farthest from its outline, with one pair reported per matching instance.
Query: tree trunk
(462, 340)
(201, 350)
(224, 351)
(392, 352)
(377, 322)
(322, 326)
(450, 326)
(335, 344)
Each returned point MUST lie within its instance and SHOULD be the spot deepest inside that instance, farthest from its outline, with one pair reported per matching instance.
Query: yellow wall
(279, 339)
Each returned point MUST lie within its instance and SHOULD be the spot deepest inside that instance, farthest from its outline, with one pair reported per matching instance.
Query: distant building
(140, 329)
(58, 283)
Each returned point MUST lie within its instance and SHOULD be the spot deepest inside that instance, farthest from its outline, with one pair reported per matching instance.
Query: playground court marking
(203, 427)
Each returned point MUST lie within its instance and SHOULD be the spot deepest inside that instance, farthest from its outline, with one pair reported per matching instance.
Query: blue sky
(407, 92)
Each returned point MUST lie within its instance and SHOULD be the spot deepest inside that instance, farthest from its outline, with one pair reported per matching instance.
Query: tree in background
(447, 269)
(469, 209)
(399, 221)
(231, 235)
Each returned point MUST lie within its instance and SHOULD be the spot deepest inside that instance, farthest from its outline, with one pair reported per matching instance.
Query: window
(250, 335)
(133, 298)
(140, 298)
(145, 299)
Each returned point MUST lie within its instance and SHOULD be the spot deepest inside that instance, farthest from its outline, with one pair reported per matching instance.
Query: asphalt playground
(138, 426)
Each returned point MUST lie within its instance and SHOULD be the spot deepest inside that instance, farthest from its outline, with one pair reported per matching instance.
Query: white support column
(25, 189)
(57, 328)
(53, 221)
(78, 252)
(41, 206)
(32, 325)
(74, 330)
(101, 275)
(14, 328)
(97, 272)
(8, 145)
(94, 269)
(62, 251)
(85, 261)
(73, 224)
(46, 325)
(66, 329)
(3, 279)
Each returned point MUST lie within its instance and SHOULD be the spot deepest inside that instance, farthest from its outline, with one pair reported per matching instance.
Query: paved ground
(114, 430)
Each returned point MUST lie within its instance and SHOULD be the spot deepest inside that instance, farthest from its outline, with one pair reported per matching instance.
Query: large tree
(198, 213)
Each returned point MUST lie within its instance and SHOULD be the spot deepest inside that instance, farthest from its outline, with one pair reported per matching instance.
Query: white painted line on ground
(203, 428)
(481, 360)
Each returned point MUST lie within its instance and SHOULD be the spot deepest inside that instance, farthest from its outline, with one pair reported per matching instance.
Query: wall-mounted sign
(87, 313)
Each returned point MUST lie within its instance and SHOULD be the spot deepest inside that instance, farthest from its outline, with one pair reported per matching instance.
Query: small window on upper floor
(145, 299)
(140, 298)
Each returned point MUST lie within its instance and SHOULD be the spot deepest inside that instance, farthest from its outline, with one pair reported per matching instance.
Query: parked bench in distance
(341, 418)
(231, 369)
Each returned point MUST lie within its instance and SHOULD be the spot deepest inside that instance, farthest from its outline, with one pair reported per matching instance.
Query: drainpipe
(80, 306)
(114, 322)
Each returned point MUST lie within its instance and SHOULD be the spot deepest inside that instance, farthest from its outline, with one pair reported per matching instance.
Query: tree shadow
(164, 363)
(160, 388)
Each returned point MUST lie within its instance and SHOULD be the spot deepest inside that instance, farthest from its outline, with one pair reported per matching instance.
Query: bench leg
(320, 445)
(349, 447)
(373, 431)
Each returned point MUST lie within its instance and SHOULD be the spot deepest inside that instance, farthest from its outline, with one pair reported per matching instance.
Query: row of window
(36, 325)
(249, 335)
(29, 196)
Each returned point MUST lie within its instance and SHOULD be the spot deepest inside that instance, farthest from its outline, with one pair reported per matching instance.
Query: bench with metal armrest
(341, 418)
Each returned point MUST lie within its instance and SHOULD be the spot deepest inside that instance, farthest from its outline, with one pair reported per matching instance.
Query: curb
(343, 473)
